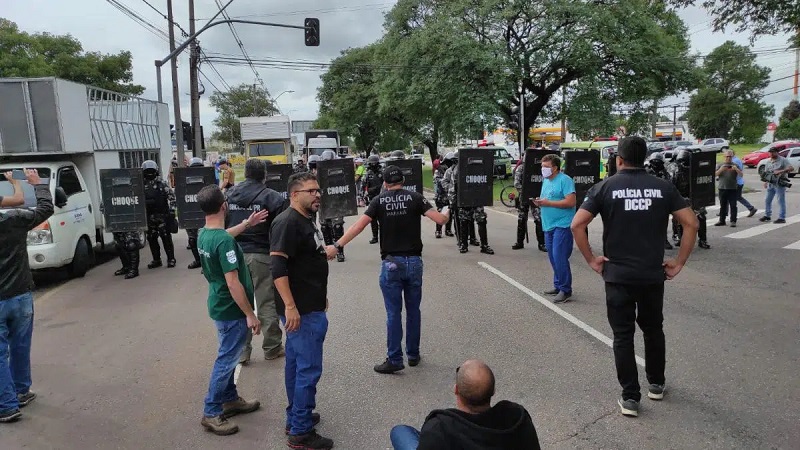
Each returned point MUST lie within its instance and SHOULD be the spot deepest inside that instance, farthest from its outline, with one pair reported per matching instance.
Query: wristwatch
(337, 246)
(246, 223)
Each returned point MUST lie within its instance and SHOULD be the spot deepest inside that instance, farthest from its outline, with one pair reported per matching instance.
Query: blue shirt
(740, 165)
(557, 189)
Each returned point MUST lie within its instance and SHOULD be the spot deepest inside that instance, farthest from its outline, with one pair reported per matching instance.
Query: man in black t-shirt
(635, 207)
(300, 273)
(398, 211)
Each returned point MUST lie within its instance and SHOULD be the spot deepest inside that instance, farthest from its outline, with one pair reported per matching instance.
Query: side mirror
(61, 197)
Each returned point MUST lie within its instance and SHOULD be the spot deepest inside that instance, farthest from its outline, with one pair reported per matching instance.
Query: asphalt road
(125, 364)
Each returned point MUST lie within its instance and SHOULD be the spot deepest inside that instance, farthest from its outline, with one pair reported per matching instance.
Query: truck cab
(267, 138)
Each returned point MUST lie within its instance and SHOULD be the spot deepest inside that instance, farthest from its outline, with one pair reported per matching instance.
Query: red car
(751, 160)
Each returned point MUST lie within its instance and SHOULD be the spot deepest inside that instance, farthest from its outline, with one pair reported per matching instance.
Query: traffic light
(312, 32)
(514, 118)
(188, 136)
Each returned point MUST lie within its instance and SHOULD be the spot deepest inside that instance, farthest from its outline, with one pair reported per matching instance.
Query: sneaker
(25, 399)
(219, 425)
(656, 392)
(474, 243)
(765, 219)
(388, 367)
(10, 416)
(373, 240)
(155, 264)
(279, 353)
(553, 291)
(194, 265)
(542, 248)
(719, 224)
(518, 246)
(239, 406)
(733, 224)
(438, 235)
(704, 245)
(315, 418)
(487, 250)
(780, 221)
(309, 441)
(753, 212)
(414, 362)
(449, 233)
(562, 297)
(171, 263)
(628, 408)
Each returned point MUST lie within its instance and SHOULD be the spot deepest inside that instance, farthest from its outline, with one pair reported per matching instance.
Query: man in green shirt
(230, 306)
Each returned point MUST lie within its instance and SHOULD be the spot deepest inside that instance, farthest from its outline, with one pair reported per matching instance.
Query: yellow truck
(268, 138)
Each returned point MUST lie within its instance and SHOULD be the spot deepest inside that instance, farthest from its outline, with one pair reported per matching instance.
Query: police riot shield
(337, 180)
(475, 177)
(532, 183)
(701, 189)
(188, 182)
(583, 166)
(278, 178)
(611, 165)
(412, 172)
(123, 206)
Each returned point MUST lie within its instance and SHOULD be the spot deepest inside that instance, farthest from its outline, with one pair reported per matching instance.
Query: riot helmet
(684, 158)
(196, 162)
(268, 162)
(450, 158)
(328, 155)
(397, 154)
(374, 161)
(312, 162)
(150, 169)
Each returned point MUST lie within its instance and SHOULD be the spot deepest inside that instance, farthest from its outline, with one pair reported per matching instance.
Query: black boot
(438, 233)
(169, 249)
(703, 244)
(194, 265)
(126, 263)
(133, 270)
(155, 250)
(484, 239)
(520, 238)
(473, 241)
(463, 238)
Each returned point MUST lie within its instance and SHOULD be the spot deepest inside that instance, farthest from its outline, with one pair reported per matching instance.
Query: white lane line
(766, 228)
(549, 305)
(795, 246)
(236, 372)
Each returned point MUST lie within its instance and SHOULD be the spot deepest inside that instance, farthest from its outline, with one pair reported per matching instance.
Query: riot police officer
(679, 174)
(192, 233)
(396, 155)
(523, 207)
(128, 245)
(332, 229)
(160, 201)
(466, 216)
(656, 165)
(373, 182)
(441, 193)
(312, 163)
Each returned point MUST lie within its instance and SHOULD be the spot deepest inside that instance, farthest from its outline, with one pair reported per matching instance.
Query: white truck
(268, 137)
(317, 141)
(69, 132)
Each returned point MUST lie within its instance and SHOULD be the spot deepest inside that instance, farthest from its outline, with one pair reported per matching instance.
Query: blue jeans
(404, 437)
(401, 280)
(16, 329)
(773, 189)
(740, 198)
(559, 248)
(303, 370)
(231, 335)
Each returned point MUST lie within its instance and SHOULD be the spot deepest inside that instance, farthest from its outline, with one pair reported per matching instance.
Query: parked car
(654, 147)
(673, 145)
(715, 144)
(792, 154)
(418, 156)
(668, 154)
(752, 159)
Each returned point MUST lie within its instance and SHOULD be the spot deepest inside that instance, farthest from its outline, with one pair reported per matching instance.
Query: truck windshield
(6, 190)
(267, 149)
(318, 151)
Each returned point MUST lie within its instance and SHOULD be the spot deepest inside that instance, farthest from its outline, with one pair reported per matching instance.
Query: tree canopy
(44, 55)
(243, 100)
(789, 125)
(759, 17)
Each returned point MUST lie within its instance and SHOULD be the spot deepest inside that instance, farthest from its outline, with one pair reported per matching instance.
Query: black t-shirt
(294, 234)
(399, 213)
(635, 208)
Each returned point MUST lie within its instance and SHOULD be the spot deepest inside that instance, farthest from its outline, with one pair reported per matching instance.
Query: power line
(184, 32)
(140, 20)
(321, 11)
(241, 45)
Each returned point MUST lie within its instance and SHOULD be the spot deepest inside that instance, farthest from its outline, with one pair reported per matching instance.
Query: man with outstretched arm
(18, 198)
(230, 306)
(635, 208)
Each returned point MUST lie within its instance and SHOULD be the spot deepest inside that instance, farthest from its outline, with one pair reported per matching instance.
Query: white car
(792, 154)
(715, 145)
(419, 156)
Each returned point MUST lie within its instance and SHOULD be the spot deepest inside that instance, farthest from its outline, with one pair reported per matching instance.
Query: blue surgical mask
(547, 172)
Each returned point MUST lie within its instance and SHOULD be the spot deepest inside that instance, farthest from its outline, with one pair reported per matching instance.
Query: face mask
(547, 172)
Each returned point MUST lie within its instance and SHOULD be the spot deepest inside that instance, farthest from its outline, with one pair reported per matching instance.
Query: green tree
(759, 17)
(243, 100)
(789, 125)
(730, 105)
(45, 55)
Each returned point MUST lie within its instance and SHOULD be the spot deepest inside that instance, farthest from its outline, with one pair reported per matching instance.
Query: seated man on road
(474, 423)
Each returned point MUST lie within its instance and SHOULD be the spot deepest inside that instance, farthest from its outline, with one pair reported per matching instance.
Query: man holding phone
(727, 174)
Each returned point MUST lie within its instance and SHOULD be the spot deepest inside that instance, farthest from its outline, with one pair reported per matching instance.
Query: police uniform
(441, 198)
(656, 166)
(192, 232)
(523, 207)
(373, 182)
(160, 200)
(466, 216)
(128, 245)
(679, 174)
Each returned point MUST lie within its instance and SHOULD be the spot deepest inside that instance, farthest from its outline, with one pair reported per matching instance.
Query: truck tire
(81, 260)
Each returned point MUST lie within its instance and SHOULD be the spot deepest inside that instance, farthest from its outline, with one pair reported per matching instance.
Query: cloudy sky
(344, 23)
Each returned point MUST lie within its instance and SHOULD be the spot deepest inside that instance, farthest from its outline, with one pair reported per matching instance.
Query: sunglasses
(310, 191)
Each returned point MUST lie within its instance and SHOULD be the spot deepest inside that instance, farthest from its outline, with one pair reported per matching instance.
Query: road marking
(795, 246)
(236, 372)
(548, 304)
(766, 228)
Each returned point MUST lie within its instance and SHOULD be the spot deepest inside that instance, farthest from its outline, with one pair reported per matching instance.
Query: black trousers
(728, 199)
(627, 305)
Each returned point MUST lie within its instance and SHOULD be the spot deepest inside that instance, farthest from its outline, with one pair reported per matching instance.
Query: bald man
(473, 424)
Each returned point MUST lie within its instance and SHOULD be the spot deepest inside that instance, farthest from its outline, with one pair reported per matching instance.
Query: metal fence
(122, 122)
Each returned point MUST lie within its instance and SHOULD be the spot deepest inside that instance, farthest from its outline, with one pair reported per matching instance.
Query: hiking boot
(656, 392)
(122, 271)
(703, 244)
(10, 416)
(132, 274)
(171, 263)
(315, 418)
(219, 425)
(553, 291)
(753, 212)
(388, 367)
(275, 354)
(154, 264)
(194, 265)
(25, 399)
(780, 221)
(239, 406)
(628, 408)
(487, 250)
(518, 246)
(309, 441)
(414, 362)
(374, 240)
(765, 219)
(562, 297)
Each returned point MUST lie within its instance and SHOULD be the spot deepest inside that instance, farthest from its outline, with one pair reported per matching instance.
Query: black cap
(773, 149)
(633, 150)
(393, 175)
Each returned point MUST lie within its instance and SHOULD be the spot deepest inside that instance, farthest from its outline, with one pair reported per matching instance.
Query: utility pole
(194, 63)
(796, 65)
(563, 114)
(523, 130)
(176, 99)
(254, 100)
(674, 121)
(654, 119)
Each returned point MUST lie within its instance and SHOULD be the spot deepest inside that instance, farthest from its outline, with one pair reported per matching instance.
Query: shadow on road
(45, 281)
